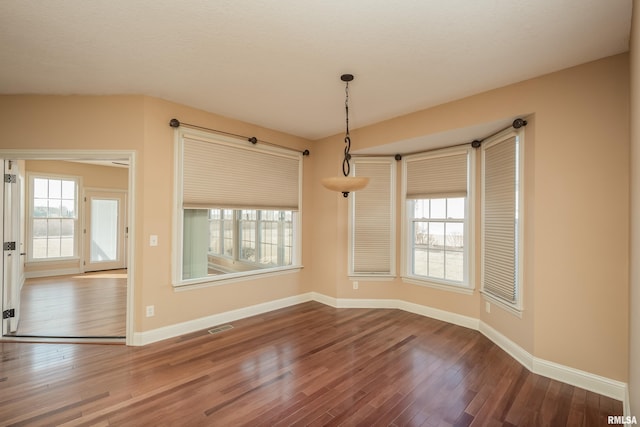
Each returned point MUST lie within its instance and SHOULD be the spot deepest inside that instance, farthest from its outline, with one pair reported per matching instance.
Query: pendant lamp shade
(345, 184)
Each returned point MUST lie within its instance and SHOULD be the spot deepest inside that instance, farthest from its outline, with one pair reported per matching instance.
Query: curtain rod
(174, 123)
(476, 143)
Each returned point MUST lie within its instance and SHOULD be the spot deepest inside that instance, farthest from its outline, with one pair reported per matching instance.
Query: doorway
(105, 229)
(87, 287)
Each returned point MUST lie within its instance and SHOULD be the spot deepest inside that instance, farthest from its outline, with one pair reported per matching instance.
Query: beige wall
(72, 123)
(577, 220)
(92, 176)
(634, 300)
(577, 225)
(141, 124)
(174, 307)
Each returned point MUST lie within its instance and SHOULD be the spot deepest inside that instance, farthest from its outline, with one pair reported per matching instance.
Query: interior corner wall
(634, 297)
(325, 234)
(577, 207)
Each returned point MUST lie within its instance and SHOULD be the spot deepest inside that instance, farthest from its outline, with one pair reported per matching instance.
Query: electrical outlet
(153, 240)
(355, 285)
(487, 306)
(150, 311)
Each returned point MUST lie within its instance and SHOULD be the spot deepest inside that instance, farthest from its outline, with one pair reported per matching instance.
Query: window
(221, 232)
(502, 226)
(238, 208)
(372, 220)
(248, 228)
(437, 228)
(251, 239)
(266, 237)
(54, 217)
(438, 238)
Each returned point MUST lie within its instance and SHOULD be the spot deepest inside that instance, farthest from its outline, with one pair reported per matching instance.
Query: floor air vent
(219, 329)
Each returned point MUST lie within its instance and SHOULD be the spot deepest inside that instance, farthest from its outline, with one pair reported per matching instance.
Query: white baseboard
(154, 335)
(51, 273)
(435, 313)
(595, 383)
(588, 381)
(566, 374)
(511, 348)
(324, 299)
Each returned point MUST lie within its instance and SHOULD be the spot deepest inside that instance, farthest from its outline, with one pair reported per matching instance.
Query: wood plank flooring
(80, 305)
(308, 364)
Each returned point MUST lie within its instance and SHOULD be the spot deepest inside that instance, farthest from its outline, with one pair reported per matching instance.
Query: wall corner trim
(592, 382)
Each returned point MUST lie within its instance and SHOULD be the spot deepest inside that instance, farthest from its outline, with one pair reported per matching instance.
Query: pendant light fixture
(346, 184)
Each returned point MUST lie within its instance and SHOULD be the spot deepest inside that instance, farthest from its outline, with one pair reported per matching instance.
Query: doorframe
(126, 155)
(17, 274)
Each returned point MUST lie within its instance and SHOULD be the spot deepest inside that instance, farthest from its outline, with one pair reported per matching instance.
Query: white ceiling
(276, 63)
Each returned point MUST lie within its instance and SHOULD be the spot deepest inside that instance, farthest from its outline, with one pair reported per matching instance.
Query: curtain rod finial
(518, 123)
(174, 123)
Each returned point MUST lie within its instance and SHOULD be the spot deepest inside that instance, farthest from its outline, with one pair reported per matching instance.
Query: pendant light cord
(346, 166)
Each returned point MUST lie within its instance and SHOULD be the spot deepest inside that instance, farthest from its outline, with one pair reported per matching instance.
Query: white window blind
(437, 176)
(373, 219)
(221, 174)
(500, 219)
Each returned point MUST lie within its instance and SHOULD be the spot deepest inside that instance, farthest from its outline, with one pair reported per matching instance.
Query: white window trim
(470, 221)
(517, 308)
(180, 134)
(393, 209)
(77, 241)
(230, 278)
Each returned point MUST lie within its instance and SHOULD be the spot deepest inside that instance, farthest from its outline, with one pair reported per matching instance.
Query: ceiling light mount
(346, 184)
(346, 78)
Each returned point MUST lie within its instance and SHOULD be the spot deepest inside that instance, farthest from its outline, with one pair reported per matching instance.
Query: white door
(12, 276)
(105, 230)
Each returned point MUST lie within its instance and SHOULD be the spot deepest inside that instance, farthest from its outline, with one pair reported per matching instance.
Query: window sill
(373, 277)
(206, 282)
(510, 308)
(461, 289)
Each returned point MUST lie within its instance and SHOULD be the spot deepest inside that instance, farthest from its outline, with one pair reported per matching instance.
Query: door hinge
(10, 178)
(7, 314)
(9, 246)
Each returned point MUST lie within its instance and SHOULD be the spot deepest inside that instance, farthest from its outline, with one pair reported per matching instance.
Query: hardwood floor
(81, 305)
(304, 365)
